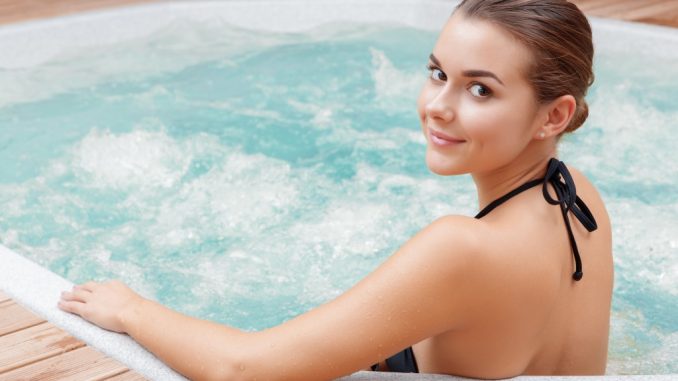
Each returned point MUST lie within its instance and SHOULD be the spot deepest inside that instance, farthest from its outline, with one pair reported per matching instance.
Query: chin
(443, 166)
(444, 171)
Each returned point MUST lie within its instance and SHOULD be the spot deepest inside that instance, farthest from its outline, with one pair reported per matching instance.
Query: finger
(78, 295)
(89, 286)
(81, 288)
(71, 306)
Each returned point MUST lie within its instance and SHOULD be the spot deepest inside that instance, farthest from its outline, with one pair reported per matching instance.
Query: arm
(417, 293)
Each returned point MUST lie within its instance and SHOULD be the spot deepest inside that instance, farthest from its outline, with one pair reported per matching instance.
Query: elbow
(228, 370)
(223, 374)
(235, 368)
(251, 359)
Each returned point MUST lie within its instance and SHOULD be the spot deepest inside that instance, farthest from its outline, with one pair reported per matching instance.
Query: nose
(440, 107)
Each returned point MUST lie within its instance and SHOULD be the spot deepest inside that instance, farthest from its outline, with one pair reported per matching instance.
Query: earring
(542, 135)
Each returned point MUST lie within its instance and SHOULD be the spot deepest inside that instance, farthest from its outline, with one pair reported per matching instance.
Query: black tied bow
(566, 196)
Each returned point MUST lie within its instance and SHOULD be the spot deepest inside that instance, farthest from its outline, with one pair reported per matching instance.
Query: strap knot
(559, 177)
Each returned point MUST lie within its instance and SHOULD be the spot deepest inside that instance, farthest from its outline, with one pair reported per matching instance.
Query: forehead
(470, 44)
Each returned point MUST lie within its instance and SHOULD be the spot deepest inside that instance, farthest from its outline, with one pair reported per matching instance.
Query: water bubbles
(141, 159)
(393, 87)
(248, 198)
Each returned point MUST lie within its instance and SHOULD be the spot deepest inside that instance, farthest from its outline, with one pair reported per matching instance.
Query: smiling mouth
(443, 140)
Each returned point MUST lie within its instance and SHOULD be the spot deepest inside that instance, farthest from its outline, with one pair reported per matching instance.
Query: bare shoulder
(584, 185)
(588, 192)
(463, 244)
(460, 230)
(475, 242)
(476, 251)
(449, 244)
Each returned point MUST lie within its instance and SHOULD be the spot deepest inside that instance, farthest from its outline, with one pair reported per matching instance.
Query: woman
(495, 296)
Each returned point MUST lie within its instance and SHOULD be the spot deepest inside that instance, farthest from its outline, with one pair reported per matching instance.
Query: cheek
(424, 98)
(481, 121)
(421, 105)
(497, 127)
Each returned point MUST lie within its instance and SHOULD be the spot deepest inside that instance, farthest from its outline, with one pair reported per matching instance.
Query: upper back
(530, 316)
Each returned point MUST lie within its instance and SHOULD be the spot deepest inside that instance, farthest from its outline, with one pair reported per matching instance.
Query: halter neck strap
(566, 196)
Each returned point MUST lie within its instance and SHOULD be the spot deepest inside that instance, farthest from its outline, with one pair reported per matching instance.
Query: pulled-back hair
(559, 37)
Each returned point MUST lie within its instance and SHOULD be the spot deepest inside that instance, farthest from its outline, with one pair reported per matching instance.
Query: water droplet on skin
(242, 366)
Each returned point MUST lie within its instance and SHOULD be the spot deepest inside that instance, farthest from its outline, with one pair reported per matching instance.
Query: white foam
(620, 117)
(647, 256)
(322, 115)
(392, 86)
(640, 348)
(139, 159)
(395, 138)
(231, 200)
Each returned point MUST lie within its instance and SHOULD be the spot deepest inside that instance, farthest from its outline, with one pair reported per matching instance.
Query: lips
(441, 139)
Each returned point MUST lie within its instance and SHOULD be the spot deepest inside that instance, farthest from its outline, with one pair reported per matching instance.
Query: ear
(558, 114)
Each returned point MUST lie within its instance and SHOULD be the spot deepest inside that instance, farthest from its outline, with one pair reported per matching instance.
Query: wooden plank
(618, 8)
(656, 9)
(662, 12)
(83, 364)
(127, 376)
(604, 7)
(34, 344)
(14, 317)
(604, 4)
(17, 10)
(589, 6)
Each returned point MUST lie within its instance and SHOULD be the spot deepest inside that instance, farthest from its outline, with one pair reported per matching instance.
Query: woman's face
(477, 108)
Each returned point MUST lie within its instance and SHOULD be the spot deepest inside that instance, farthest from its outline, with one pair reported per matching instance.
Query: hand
(104, 304)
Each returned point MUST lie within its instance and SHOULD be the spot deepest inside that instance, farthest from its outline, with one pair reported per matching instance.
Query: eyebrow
(470, 73)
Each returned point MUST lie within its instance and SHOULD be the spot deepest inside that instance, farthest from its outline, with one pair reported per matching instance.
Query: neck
(495, 183)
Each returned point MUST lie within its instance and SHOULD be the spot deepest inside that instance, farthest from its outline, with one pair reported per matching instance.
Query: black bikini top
(566, 196)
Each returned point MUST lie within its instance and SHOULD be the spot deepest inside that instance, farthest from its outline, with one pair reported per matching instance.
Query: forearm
(198, 349)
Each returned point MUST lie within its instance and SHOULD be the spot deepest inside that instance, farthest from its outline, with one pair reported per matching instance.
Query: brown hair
(559, 36)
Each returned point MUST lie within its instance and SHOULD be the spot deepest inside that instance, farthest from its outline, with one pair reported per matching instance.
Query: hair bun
(580, 115)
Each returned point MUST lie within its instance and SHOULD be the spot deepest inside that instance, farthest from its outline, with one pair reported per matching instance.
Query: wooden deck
(20, 10)
(33, 349)
(661, 12)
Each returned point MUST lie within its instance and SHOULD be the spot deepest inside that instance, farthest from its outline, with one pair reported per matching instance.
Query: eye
(436, 74)
(480, 91)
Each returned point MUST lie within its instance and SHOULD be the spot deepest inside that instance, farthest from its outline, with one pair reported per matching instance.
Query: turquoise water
(247, 177)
